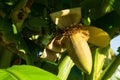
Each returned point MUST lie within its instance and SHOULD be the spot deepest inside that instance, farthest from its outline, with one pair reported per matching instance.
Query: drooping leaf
(26, 72)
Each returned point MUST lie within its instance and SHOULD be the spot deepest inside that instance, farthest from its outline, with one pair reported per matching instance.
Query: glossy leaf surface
(25, 72)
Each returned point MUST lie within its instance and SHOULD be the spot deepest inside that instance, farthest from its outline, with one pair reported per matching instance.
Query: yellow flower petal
(66, 18)
(98, 37)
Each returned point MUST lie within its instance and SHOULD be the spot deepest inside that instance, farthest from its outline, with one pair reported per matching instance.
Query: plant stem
(29, 60)
(110, 69)
(65, 67)
(5, 58)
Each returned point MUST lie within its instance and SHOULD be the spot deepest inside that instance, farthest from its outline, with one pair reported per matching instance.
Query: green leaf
(95, 8)
(116, 6)
(110, 69)
(109, 22)
(13, 41)
(26, 72)
(5, 58)
(75, 74)
(65, 67)
(36, 24)
(99, 59)
(116, 76)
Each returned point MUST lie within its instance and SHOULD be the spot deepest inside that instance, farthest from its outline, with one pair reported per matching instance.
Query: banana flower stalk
(75, 37)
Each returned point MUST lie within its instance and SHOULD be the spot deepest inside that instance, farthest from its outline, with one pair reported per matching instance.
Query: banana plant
(77, 42)
(12, 41)
(74, 38)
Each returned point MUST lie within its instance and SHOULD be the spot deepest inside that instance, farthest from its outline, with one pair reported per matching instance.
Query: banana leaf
(26, 72)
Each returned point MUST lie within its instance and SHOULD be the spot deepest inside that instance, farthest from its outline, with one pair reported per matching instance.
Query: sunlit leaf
(64, 67)
(99, 59)
(25, 72)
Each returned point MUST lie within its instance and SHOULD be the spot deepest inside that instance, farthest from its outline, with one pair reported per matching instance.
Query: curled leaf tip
(66, 18)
